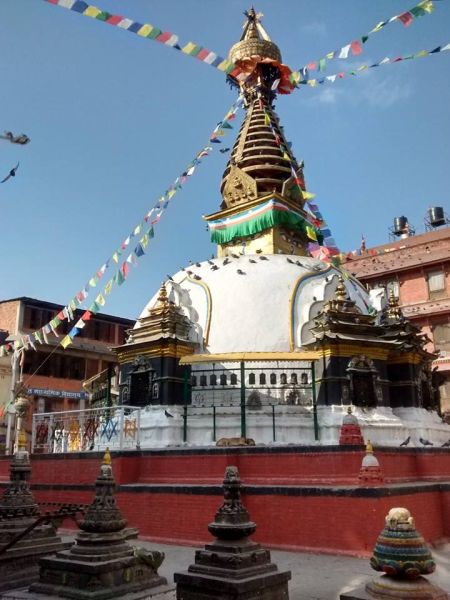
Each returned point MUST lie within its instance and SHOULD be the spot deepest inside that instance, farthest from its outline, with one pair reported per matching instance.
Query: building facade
(53, 376)
(416, 268)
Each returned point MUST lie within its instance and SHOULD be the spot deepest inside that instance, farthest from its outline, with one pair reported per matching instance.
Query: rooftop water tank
(436, 216)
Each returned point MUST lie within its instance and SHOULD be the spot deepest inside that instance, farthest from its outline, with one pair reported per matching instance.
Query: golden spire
(162, 296)
(393, 311)
(369, 447)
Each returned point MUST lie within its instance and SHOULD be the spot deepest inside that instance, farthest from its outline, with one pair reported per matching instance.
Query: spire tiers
(262, 186)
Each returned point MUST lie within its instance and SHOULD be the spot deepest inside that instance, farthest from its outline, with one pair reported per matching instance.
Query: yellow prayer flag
(427, 6)
(362, 68)
(286, 156)
(224, 65)
(266, 119)
(137, 230)
(92, 11)
(144, 241)
(311, 233)
(189, 47)
(330, 55)
(92, 282)
(308, 195)
(377, 27)
(108, 287)
(115, 257)
(171, 194)
(66, 341)
(100, 300)
(312, 82)
(421, 54)
(145, 30)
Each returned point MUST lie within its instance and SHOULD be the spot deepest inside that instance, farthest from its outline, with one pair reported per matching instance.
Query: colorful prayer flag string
(354, 48)
(386, 61)
(150, 219)
(151, 32)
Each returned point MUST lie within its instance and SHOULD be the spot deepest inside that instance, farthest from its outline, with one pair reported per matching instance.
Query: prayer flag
(406, 18)
(86, 315)
(191, 49)
(100, 300)
(80, 324)
(66, 341)
(344, 51)
(356, 48)
(139, 250)
(379, 26)
(322, 62)
(308, 195)
(311, 233)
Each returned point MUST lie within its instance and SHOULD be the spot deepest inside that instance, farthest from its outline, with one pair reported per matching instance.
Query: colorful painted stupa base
(402, 555)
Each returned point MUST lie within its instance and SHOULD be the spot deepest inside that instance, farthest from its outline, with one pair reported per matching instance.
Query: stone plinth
(388, 587)
(101, 564)
(233, 566)
(19, 565)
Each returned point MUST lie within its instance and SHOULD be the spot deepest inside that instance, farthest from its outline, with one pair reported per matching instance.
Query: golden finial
(162, 297)
(369, 447)
(107, 458)
(393, 311)
(341, 291)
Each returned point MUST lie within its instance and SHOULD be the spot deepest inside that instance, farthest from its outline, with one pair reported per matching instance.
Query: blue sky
(114, 118)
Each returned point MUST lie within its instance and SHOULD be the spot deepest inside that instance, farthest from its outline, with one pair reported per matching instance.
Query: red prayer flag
(114, 19)
(341, 75)
(125, 269)
(406, 18)
(86, 316)
(164, 36)
(61, 316)
(311, 66)
(356, 47)
(203, 54)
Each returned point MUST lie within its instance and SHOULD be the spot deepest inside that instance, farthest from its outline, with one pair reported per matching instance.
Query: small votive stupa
(370, 472)
(402, 555)
(101, 564)
(18, 511)
(233, 566)
(350, 430)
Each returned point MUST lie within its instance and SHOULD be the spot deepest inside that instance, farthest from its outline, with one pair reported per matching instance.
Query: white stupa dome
(256, 303)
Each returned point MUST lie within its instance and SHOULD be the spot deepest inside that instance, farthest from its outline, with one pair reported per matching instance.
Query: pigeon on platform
(197, 264)
(197, 277)
(446, 444)
(263, 258)
(251, 260)
(169, 278)
(12, 173)
(290, 261)
(258, 251)
(214, 268)
(167, 413)
(226, 261)
(406, 442)
(425, 442)
(240, 272)
(235, 255)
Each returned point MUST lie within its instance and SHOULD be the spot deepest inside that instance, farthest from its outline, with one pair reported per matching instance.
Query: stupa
(264, 327)
(350, 431)
(18, 512)
(101, 564)
(233, 567)
(370, 472)
(402, 555)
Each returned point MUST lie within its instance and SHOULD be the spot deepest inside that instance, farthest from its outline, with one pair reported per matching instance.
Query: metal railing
(117, 428)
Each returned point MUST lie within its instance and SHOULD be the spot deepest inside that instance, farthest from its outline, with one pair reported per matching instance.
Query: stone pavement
(314, 576)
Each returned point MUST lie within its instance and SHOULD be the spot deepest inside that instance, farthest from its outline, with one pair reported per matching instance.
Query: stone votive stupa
(370, 472)
(350, 434)
(402, 555)
(101, 564)
(233, 566)
(19, 564)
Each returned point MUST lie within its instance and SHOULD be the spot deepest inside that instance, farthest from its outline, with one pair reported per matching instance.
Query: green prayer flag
(322, 64)
(119, 278)
(94, 308)
(364, 39)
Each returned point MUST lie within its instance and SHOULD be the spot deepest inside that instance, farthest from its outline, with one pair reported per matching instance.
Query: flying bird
(167, 413)
(406, 442)
(240, 272)
(425, 442)
(12, 173)
(21, 139)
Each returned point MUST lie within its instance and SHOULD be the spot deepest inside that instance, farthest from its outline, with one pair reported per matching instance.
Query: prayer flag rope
(151, 32)
(143, 231)
(364, 67)
(354, 48)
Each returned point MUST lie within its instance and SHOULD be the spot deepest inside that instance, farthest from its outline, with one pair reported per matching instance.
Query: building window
(304, 378)
(441, 335)
(203, 380)
(194, 381)
(251, 379)
(262, 379)
(283, 379)
(155, 391)
(273, 379)
(223, 379)
(233, 379)
(436, 284)
(213, 379)
(294, 378)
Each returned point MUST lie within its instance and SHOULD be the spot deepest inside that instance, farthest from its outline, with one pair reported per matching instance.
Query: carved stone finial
(232, 520)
